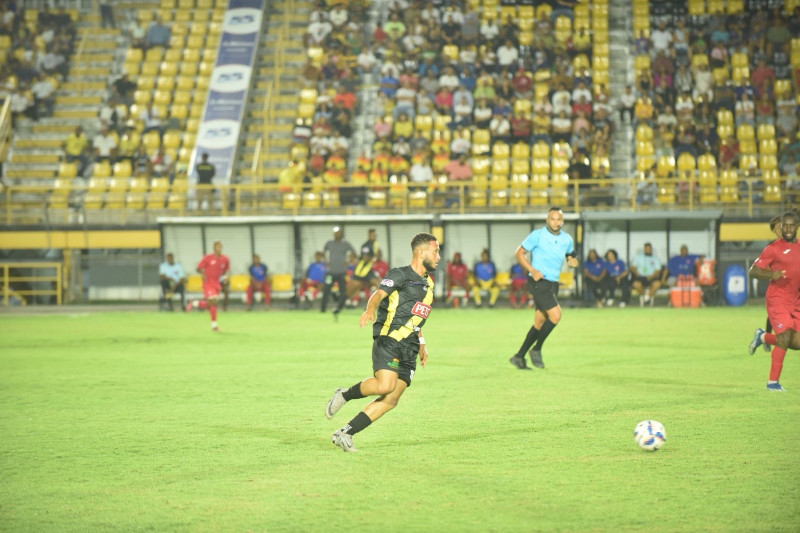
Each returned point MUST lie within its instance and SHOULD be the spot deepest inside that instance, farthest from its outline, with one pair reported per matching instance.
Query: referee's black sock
(533, 334)
(358, 423)
(547, 327)
(353, 393)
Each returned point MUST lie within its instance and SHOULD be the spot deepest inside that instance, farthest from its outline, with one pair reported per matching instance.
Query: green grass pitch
(147, 421)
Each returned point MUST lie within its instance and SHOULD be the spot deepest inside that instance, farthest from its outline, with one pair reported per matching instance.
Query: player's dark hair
(554, 208)
(421, 239)
(788, 214)
(774, 221)
(612, 251)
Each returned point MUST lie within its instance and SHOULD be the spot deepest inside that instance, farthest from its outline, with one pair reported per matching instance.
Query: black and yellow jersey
(403, 313)
(363, 268)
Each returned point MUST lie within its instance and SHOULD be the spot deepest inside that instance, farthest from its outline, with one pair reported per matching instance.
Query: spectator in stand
(162, 165)
(616, 278)
(421, 174)
(518, 292)
(105, 145)
(444, 101)
(152, 120)
(594, 274)
(345, 99)
(765, 110)
(142, 167)
(403, 128)
(646, 272)
(158, 34)
(482, 115)
(458, 169)
(457, 276)
(460, 144)
(643, 111)
(205, 176)
(259, 282)
(123, 88)
(107, 14)
(729, 153)
(128, 144)
(626, 104)
(485, 273)
(462, 112)
(521, 127)
(43, 92)
(75, 148)
(53, 62)
(500, 127)
(508, 54)
(745, 111)
(761, 74)
(22, 104)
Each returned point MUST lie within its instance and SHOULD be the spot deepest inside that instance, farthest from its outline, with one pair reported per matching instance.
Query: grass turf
(149, 421)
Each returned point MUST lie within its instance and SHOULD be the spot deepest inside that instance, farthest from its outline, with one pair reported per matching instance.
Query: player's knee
(385, 387)
(784, 339)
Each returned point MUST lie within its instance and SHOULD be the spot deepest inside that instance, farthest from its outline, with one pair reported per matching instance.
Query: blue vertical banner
(218, 134)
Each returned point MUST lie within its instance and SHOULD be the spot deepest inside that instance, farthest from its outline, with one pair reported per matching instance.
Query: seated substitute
(485, 273)
(258, 282)
(684, 264)
(594, 272)
(616, 278)
(173, 280)
(363, 277)
(457, 276)
(518, 293)
(647, 273)
(314, 279)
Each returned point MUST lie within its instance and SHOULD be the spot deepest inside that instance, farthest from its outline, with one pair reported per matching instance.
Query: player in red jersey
(212, 267)
(779, 264)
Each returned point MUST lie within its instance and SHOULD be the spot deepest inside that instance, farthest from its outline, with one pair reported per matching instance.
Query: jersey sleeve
(571, 246)
(203, 263)
(531, 241)
(766, 258)
(392, 281)
(226, 265)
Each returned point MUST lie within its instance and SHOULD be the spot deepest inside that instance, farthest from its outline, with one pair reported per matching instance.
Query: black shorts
(641, 279)
(544, 292)
(388, 354)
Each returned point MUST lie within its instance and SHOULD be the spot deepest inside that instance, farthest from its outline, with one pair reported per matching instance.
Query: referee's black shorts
(545, 293)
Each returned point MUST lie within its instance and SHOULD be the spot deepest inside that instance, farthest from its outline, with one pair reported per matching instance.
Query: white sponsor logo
(388, 282)
(242, 21)
(786, 251)
(230, 78)
(218, 134)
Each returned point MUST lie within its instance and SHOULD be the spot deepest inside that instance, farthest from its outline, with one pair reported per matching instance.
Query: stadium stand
(729, 72)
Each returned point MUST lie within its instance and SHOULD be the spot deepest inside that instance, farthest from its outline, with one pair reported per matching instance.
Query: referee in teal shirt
(548, 246)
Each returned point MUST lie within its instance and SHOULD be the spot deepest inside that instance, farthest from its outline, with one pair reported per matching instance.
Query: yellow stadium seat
(783, 87)
(67, 170)
(768, 162)
(500, 150)
(644, 148)
(772, 194)
(520, 166)
(498, 198)
(748, 146)
(739, 59)
(165, 83)
(188, 69)
(706, 162)
(480, 165)
(521, 151)
(102, 169)
(500, 167)
(644, 132)
(766, 131)
(745, 132)
(194, 283)
(541, 150)
(122, 169)
(748, 162)
(665, 166)
(768, 147)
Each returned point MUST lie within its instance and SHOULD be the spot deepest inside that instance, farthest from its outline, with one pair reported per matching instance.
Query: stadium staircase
(274, 99)
(621, 69)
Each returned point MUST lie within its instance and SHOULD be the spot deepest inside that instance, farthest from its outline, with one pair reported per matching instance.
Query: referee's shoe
(519, 362)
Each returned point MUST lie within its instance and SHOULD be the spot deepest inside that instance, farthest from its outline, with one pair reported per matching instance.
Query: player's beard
(428, 265)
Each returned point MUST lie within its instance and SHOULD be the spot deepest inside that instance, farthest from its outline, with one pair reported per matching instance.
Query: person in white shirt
(460, 144)
(626, 103)
(430, 13)
(104, 144)
(702, 83)
(500, 128)
(490, 30)
(318, 31)
(43, 91)
(366, 60)
(421, 173)
(449, 79)
(581, 90)
(667, 118)
(462, 112)
(507, 55)
(424, 102)
(152, 120)
(661, 38)
(405, 99)
(21, 105)
(562, 100)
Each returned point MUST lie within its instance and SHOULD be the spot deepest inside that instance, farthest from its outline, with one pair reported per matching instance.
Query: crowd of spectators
(453, 83)
(719, 86)
(35, 57)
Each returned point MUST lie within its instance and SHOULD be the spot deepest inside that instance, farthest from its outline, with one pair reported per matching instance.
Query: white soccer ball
(650, 435)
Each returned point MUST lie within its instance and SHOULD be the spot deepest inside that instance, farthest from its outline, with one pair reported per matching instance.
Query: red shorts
(783, 316)
(518, 283)
(211, 289)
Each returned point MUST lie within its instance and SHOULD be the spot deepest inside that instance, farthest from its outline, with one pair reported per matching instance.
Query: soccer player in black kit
(403, 303)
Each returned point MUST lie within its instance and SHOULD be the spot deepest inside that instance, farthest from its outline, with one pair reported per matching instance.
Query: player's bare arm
(423, 350)
(368, 316)
(522, 258)
(766, 274)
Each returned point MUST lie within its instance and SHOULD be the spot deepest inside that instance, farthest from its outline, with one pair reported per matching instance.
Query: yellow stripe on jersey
(408, 328)
(394, 299)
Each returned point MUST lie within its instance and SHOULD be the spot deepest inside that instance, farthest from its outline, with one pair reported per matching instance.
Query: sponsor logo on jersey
(420, 309)
(394, 363)
(388, 282)
(786, 251)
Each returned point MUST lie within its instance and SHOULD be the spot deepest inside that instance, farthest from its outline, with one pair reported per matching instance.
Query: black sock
(547, 327)
(533, 334)
(768, 329)
(353, 393)
(358, 423)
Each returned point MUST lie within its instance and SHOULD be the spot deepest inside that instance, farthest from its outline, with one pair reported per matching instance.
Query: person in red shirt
(213, 267)
(779, 264)
(380, 266)
(457, 275)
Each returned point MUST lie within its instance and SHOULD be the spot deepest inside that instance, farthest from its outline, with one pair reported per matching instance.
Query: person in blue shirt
(616, 278)
(594, 273)
(484, 273)
(258, 282)
(173, 279)
(548, 247)
(684, 264)
(315, 278)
